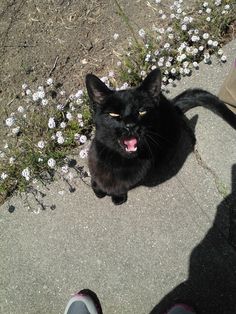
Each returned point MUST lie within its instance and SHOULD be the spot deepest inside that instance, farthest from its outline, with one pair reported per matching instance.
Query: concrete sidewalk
(135, 254)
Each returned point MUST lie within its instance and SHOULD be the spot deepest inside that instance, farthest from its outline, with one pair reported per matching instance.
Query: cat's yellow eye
(115, 115)
(142, 113)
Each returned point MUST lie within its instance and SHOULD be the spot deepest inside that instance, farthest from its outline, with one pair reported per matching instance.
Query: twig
(10, 102)
(54, 66)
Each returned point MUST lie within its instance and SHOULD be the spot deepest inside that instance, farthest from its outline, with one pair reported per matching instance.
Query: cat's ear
(97, 90)
(152, 83)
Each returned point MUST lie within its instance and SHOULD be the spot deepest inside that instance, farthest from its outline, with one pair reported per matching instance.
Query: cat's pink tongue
(131, 144)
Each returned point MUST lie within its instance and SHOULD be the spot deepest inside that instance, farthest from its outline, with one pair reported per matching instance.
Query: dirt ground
(39, 36)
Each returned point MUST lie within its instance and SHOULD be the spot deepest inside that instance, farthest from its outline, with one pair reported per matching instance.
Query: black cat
(137, 132)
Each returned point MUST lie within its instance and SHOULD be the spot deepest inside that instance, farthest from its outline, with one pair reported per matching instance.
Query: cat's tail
(197, 97)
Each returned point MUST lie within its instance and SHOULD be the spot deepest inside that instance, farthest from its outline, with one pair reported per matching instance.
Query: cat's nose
(130, 127)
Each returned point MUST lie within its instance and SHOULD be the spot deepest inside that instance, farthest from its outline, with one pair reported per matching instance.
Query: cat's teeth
(131, 151)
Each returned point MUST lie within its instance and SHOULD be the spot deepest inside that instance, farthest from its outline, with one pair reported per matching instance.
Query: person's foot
(181, 309)
(84, 302)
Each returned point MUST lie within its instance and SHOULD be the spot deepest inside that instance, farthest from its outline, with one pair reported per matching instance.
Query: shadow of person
(211, 284)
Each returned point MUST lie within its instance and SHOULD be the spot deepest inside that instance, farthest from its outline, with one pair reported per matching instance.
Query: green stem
(127, 22)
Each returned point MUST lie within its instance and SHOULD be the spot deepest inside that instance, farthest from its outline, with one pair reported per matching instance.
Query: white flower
(65, 169)
(51, 123)
(208, 19)
(158, 1)
(28, 92)
(79, 94)
(169, 29)
(215, 43)
(63, 125)
(116, 36)
(168, 64)
(40, 159)
(205, 36)
(111, 74)
(195, 38)
(6, 146)
(142, 32)
(205, 4)
(49, 81)
(76, 136)
(143, 73)
(179, 10)
(15, 130)
(223, 58)
(227, 7)
(79, 116)
(10, 121)
(163, 17)
(195, 64)
(83, 153)
(160, 11)
(26, 174)
(160, 64)
(60, 140)
(60, 107)
(69, 116)
(218, 2)
(20, 109)
(118, 63)
(156, 52)
(184, 27)
(83, 139)
(187, 71)
(210, 42)
(208, 10)
(58, 133)
(161, 30)
(40, 94)
(44, 102)
(41, 144)
(24, 86)
(2, 154)
(124, 86)
(51, 163)
(220, 52)
(4, 175)
(153, 67)
(173, 70)
(201, 48)
(11, 160)
(166, 45)
(223, 12)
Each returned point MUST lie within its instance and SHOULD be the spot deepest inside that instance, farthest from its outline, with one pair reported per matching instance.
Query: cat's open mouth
(130, 144)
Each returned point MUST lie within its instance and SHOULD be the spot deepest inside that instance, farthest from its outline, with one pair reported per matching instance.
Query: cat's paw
(99, 193)
(119, 199)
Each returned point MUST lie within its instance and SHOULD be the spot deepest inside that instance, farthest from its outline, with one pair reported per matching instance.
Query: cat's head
(123, 117)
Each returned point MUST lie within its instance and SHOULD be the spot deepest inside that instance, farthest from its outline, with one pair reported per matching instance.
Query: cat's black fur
(137, 132)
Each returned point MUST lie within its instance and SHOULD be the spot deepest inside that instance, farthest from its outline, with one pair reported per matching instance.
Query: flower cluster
(40, 133)
(180, 40)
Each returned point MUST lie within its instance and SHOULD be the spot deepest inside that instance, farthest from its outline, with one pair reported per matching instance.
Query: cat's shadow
(176, 159)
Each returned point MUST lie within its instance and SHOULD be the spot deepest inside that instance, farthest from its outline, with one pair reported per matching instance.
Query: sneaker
(84, 302)
(181, 309)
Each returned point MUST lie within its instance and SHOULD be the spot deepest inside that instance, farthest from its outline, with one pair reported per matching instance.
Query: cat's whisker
(158, 135)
